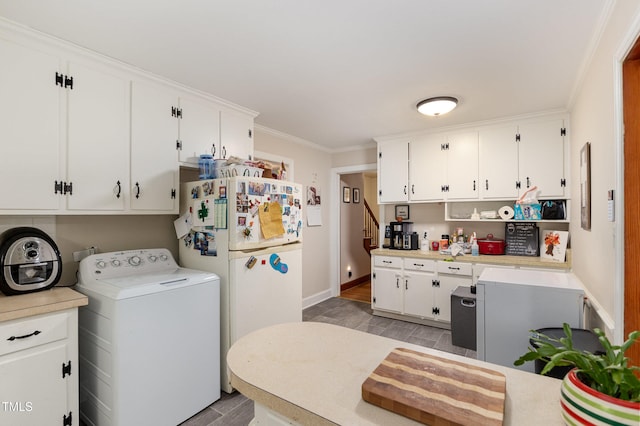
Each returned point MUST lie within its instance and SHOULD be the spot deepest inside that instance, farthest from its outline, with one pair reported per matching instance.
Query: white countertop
(522, 261)
(312, 373)
(40, 302)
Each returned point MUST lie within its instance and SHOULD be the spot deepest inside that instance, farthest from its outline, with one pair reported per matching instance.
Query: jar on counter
(444, 242)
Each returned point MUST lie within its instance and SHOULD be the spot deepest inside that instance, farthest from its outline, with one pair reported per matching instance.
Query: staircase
(371, 228)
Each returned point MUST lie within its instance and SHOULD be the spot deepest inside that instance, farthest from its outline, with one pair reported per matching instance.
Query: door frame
(334, 217)
(628, 43)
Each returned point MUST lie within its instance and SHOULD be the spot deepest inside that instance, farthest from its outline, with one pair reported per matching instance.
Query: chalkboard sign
(521, 239)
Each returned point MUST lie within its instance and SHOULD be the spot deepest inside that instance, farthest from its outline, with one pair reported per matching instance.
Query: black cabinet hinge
(517, 137)
(67, 420)
(64, 81)
(518, 184)
(435, 283)
(179, 145)
(176, 112)
(435, 311)
(444, 146)
(563, 182)
(380, 192)
(57, 187)
(66, 369)
(380, 155)
(374, 275)
(173, 193)
(250, 133)
(563, 132)
(374, 300)
(68, 188)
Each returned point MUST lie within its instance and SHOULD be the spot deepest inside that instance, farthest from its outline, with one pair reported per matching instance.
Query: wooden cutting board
(435, 390)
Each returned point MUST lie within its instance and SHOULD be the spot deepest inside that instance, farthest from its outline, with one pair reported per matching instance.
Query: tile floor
(236, 410)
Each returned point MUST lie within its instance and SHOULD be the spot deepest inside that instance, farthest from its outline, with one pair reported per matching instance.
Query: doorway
(345, 268)
(631, 112)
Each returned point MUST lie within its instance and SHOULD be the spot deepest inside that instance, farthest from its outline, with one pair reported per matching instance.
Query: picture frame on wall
(346, 194)
(585, 186)
(356, 195)
(402, 212)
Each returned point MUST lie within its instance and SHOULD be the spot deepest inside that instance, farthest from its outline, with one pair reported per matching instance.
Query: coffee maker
(401, 237)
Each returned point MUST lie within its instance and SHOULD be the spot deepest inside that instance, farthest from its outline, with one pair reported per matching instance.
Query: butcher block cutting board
(435, 390)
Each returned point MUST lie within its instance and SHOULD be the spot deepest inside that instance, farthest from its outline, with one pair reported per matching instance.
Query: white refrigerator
(510, 302)
(249, 232)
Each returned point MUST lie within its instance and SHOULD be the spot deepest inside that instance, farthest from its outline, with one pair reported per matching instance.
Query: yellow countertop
(40, 302)
(526, 261)
(313, 372)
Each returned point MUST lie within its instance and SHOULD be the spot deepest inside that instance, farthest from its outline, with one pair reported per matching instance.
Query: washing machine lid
(140, 285)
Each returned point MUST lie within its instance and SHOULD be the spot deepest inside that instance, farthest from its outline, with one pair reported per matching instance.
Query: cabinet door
(199, 129)
(541, 157)
(154, 157)
(442, 294)
(33, 391)
(387, 292)
(498, 162)
(236, 135)
(418, 293)
(98, 139)
(462, 166)
(30, 124)
(393, 171)
(428, 168)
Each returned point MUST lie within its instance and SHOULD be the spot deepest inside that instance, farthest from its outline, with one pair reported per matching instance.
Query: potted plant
(601, 388)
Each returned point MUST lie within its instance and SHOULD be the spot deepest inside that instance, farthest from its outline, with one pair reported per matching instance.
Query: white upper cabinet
(199, 129)
(236, 134)
(98, 138)
(462, 166)
(154, 157)
(498, 158)
(393, 171)
(541, 157)
(428, 167)
(30, 152)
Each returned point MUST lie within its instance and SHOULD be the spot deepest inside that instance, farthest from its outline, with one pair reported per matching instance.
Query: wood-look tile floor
(236, 410)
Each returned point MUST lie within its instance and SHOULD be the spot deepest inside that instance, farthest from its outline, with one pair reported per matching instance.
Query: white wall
(595, 119)
(311, 167)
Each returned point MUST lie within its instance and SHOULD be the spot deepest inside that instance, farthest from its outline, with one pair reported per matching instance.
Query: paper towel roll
(506, 212)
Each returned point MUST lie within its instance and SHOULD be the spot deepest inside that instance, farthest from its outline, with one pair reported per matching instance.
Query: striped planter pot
(582, 405)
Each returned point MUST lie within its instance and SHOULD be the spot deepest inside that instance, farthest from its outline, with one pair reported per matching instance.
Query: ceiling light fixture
(437, 106)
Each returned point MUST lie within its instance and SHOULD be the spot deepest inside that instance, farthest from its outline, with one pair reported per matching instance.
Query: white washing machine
(149, 339)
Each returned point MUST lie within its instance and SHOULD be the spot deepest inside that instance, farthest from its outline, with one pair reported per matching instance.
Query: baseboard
(316, 298)
(353, 283)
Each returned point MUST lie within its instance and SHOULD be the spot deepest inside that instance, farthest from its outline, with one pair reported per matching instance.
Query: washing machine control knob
(135, 261)
(153, 258)
(163, 257)
(100, 264)
(115, 262)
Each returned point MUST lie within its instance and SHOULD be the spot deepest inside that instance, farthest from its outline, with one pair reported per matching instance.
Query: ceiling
(338, 73)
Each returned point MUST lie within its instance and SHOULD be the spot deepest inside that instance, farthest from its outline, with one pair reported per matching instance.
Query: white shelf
(461, 211)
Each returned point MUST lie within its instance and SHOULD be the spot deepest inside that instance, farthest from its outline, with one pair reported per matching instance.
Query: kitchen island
(311, 374)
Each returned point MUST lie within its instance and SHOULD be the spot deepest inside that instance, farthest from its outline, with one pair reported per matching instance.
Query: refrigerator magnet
(251, 262)
(276, 264)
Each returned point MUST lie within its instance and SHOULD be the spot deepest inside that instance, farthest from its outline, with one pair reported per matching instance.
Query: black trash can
(583, 340)
(463, 318)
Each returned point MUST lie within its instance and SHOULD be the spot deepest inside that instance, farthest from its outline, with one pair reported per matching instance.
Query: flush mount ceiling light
(437, 106)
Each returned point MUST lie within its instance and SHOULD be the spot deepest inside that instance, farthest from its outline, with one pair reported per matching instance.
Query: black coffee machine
(401, 237)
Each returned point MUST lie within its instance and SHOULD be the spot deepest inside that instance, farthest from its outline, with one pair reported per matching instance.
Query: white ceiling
(340, 72)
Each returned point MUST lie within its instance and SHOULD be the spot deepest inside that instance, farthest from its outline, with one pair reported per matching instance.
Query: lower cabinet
(417, 289)
(39, 370)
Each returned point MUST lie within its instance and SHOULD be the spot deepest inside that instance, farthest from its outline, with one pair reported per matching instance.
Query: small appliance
(491, 245)
(401, 236)
(29, 259)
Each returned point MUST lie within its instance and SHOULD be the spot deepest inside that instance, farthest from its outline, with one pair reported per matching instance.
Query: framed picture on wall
(585, 186)
(402, 212)
(346, 194)
(356, 195)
